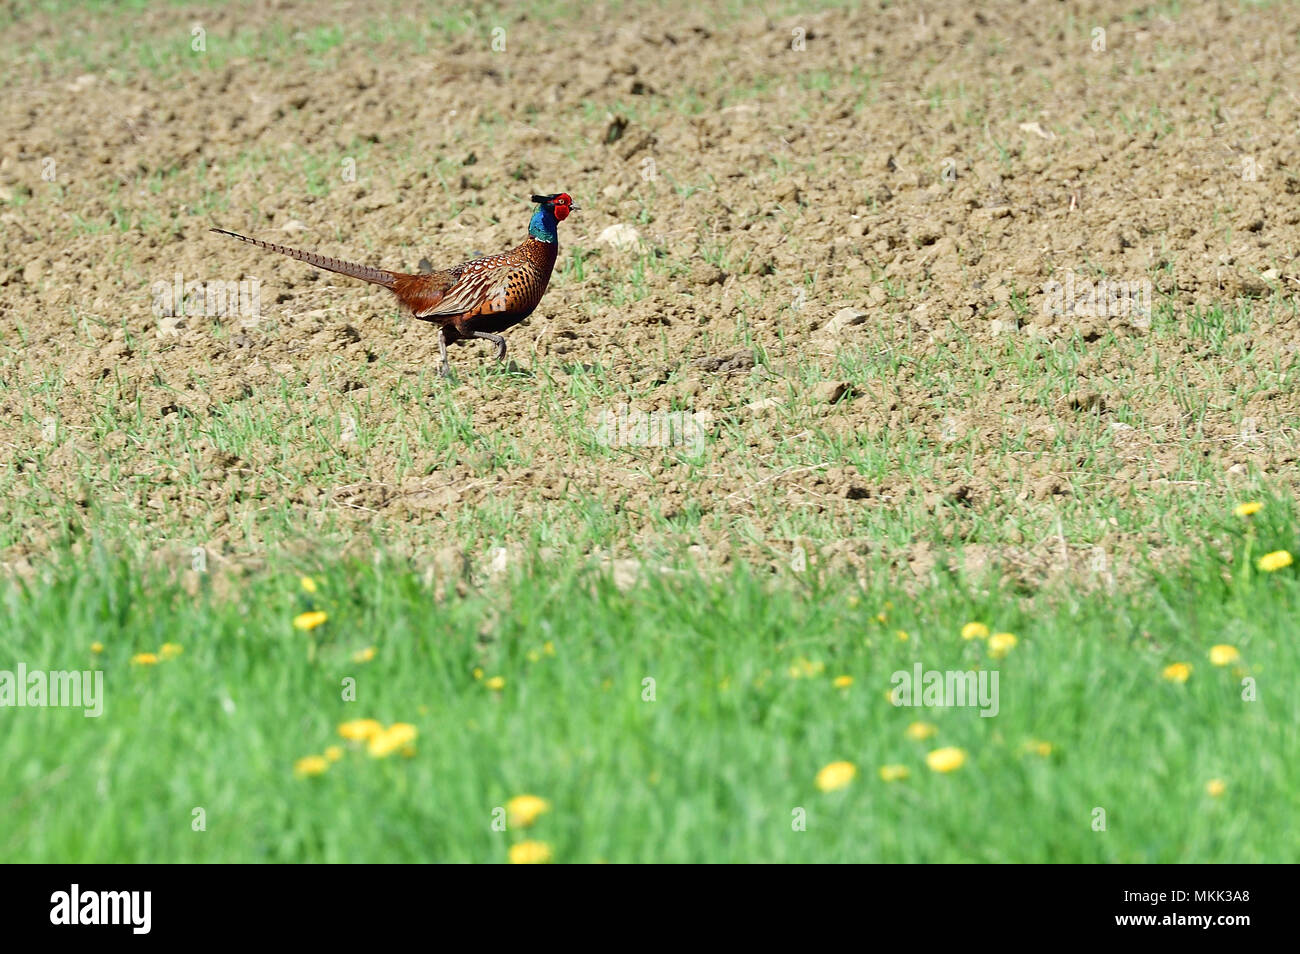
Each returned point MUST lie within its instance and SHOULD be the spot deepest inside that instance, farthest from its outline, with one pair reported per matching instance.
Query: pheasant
(476, 299)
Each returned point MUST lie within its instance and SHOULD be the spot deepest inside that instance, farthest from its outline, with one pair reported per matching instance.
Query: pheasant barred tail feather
(377, 276)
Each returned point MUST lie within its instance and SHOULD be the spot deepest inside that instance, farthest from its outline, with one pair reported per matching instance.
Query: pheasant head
(550, 210)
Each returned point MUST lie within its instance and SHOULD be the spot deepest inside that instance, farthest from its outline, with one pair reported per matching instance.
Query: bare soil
(930, 167)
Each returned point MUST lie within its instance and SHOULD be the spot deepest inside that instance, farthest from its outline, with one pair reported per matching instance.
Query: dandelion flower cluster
(894, 773)
(1177, 672)
(360, 730)
(310, 765)
(1001, 643)
(835, 776)
(920, 731)
(947, 759)
(1223, 655)
(523, 810)
(1272, 562)
(400, 736)
(310, 620)
(165, 652)
(531, 853)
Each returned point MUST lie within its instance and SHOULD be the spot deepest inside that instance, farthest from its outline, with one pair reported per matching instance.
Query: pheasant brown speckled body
(476, 299)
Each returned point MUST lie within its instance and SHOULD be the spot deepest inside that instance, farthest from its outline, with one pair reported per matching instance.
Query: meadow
(820, 392)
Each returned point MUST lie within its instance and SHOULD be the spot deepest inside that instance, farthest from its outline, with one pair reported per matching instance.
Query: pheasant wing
(480, 283)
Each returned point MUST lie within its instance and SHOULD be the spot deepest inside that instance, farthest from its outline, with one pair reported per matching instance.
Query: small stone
(169, 326)
(620, 237)
(845, 318)
(706, 274)
(739, 361)
(828, 392)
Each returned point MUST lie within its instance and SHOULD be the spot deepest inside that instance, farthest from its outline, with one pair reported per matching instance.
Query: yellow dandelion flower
(806, 668)
(1223, 655)
(360, 730)
(1215, 787)
(548, 648)
(920, 731)
(144, 659)
(894, 773)
(902, 635)
(523, 810)
(96, 647)
(397, 736)
(1248, 508)
(531, 853)
(309, 584)
(364, 655)
(307, 621)
(880, 617)
(946, 760)
(496, 682)
(1001, 643)
(333, 753)
(1276, 560)
(974, 631)
(310, 765)
(170, 650)
(842, 682)
(1177, 672)
(1039, 748)
(835, 776)
(478, 672)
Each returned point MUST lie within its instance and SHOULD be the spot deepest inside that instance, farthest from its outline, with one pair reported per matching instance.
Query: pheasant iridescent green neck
(542, 226)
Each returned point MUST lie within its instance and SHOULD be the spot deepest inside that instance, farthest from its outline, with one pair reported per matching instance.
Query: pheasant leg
(444, 369)
(495, 339)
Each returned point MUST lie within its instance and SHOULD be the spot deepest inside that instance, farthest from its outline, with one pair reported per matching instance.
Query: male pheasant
(476, 299)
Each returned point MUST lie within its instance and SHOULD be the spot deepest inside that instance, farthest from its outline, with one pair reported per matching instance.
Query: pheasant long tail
(376, 276)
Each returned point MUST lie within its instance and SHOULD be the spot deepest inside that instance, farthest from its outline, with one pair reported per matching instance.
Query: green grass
(713, 768)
